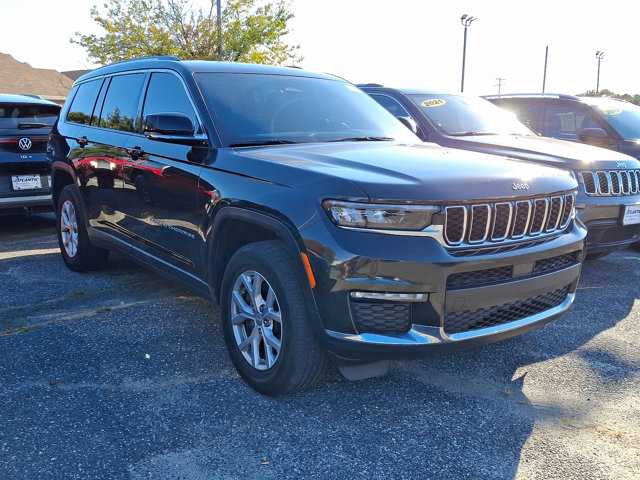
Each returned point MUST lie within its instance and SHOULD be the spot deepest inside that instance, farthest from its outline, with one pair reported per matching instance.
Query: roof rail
(536, 95)
(153, 57)
(369, 85)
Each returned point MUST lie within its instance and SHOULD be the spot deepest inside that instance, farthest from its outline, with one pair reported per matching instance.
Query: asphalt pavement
(117, 374)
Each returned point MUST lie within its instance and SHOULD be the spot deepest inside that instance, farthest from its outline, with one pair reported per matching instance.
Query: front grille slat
(501, 222)
(607, 183)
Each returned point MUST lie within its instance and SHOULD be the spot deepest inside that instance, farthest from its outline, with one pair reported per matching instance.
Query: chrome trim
(545, 216)
(628, 182)
(474, 207)
(424, 335)
(509, 221)
(26, 200)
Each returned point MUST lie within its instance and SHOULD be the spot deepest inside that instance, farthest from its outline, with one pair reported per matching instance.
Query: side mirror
(411, 124)
(177, 124)
(593, 135)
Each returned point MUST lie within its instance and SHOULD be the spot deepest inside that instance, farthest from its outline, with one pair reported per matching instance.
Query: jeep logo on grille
(24, 143)
(520, 186)
(621, 164)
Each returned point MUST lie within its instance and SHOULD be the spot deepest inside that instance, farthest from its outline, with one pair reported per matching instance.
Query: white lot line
(27, 253)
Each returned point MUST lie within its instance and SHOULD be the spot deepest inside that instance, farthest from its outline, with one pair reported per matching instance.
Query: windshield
(257, 109)
(623, 117)
(459, 115)
(13, 116)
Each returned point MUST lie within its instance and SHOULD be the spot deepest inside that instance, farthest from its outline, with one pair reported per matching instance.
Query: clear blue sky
(402, 42)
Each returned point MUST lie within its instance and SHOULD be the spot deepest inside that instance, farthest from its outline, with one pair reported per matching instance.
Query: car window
(268, 108)
(83, 103)
(529, 113)
(166, 94)
(566, 121)
(392, 105)
(623, 117)
(19, 116)
(461, 115)
(120, 107)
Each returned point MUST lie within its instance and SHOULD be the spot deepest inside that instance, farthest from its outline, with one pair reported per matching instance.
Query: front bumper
(469, 300)
(603, 219)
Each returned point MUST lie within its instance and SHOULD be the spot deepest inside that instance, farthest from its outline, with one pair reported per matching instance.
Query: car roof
(25, 99)
(405, 91)
(188, 67)
(556, 96)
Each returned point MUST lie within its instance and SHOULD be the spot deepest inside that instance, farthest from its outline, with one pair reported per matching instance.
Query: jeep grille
(475, 224)
(611, 182)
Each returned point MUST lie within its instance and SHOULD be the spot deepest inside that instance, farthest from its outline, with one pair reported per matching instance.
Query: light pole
(465, 20)
(599, 56)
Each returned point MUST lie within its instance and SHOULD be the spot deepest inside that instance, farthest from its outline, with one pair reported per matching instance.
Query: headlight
(379, 216)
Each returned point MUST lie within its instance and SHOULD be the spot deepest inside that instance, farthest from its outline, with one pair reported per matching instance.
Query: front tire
(265, 321)
(76, 249)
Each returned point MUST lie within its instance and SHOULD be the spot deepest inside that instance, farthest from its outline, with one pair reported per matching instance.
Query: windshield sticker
(611, 111)
(434, 102)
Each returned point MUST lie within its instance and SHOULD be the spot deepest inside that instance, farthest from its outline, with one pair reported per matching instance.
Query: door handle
(135, 152)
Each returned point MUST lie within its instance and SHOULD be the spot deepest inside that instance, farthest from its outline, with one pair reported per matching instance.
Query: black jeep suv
(25, 171)
(608, 200)
(319, 223)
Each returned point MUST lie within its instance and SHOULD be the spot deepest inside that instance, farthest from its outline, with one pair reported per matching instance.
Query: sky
(401, 43)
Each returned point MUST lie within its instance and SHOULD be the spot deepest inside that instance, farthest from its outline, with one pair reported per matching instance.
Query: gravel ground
(117, 374)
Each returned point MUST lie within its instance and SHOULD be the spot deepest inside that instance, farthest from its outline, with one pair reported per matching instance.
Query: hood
(388, 171)
(558, 153)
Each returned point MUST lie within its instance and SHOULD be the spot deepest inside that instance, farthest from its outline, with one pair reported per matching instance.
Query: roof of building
(17, 77)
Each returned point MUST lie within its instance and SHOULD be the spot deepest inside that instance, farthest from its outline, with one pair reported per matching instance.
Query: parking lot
(117, 374)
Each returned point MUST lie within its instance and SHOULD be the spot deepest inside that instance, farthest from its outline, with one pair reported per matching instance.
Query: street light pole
(465, 20)
(599, 56)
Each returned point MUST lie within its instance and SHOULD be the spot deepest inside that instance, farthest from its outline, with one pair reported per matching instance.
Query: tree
(137, 28)
(608, 93)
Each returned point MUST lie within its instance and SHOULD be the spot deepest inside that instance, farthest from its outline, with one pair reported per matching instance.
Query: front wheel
(76, 249)
(265, 321)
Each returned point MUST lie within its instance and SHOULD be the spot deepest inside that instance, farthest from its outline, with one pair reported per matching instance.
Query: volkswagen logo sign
(24, 143)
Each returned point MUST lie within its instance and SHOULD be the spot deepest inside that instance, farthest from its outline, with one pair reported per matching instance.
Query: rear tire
(76, 249)
(265, 321)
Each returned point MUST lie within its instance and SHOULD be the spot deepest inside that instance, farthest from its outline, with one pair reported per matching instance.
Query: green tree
(136, 28)
(608, 93)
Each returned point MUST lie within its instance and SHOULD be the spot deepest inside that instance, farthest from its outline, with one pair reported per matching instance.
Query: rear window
(21, 116)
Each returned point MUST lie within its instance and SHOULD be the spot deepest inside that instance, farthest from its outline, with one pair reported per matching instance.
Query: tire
(76, 249)
(268, 334)
(594, 256)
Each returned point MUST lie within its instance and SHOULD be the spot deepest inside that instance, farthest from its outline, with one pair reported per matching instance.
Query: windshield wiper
(23, 126)
(260, 143)
(471, 134)
(362, 139)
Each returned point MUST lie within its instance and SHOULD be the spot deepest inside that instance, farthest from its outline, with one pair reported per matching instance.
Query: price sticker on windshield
(631, 214)
(433, 102)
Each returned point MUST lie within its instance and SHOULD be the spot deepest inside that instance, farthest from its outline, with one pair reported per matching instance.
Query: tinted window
(566, 121)
(391, 105)
(27, 116)
(166, 94)
(120, 108)
(529, 113)
(83, 103)
(622, 116)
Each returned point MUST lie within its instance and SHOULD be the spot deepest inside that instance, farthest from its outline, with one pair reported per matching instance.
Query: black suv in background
(320, 224)
(25, 170)
(608, 199)
(602, 121)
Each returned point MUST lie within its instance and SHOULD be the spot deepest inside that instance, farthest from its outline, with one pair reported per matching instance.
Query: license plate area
(26, 182)
(631, 215)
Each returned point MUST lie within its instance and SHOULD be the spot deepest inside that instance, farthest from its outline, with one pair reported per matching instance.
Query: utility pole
(599, 56)
(499, 84)
(544, 76)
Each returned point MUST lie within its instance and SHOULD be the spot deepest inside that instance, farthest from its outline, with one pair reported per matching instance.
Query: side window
(391, 105)
(83, 103)
(529, 113)
(566, 121)
(120, 108)
(166, 94)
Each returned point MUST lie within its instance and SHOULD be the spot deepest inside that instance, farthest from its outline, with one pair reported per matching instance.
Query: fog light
(390, 297)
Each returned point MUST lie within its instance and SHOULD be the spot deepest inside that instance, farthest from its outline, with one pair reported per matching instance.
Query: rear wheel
(265, 322)
(76, 249)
